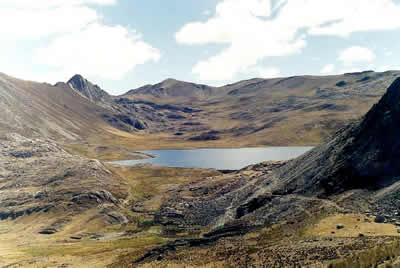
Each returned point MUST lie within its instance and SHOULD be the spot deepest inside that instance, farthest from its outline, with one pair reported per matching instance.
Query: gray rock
(380, 219)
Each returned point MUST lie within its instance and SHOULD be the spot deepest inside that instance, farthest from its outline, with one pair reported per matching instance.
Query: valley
(62, 204)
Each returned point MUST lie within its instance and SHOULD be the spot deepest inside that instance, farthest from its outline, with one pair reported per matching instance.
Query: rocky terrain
(38, 176)
(356, 172)
(362, 156)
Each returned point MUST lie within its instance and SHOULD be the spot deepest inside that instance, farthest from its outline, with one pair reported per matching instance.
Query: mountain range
(300, 110)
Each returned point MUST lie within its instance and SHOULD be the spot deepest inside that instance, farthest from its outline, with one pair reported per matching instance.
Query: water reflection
(229, 159)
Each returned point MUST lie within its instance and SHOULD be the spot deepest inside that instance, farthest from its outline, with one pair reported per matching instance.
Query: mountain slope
(363, 155)
(67, 111)
(300, 110)
(358, 169)
(35, 109)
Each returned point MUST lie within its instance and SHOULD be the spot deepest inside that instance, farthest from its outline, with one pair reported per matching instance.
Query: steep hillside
(35, 109)
(66, 112)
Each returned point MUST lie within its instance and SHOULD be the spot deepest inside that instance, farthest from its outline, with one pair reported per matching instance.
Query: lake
(222, 159)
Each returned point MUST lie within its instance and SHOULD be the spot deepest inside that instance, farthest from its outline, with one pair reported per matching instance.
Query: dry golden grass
(150, 184)
(353, 226)
(20, 243)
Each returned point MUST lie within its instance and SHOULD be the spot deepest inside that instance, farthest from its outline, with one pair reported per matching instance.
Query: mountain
(174, 90)
(42, 110)
(299, 110)
(358, 169)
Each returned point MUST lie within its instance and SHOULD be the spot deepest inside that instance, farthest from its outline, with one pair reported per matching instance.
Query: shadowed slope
(363, 155)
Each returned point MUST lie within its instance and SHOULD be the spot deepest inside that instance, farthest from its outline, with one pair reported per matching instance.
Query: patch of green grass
(145, 224)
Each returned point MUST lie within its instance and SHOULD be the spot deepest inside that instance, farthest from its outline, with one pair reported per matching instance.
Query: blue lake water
(222, 159)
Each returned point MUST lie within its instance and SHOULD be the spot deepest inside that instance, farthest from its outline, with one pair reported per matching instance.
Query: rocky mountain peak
(88, 89)
(78, 82)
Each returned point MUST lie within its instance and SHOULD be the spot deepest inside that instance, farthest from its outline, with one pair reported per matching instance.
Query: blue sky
(124, 44)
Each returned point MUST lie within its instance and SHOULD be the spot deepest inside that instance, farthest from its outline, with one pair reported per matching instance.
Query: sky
(124, 44)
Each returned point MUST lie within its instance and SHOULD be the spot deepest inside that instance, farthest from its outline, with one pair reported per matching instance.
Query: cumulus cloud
(354, 55)
(327, 69)
(252, 30)
(71, 37)
(109, 51)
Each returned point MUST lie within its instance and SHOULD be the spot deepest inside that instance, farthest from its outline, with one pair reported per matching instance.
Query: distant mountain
(174, 89)
(298, 110)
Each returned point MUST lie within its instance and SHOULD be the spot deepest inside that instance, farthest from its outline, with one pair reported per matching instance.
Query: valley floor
(87, 242)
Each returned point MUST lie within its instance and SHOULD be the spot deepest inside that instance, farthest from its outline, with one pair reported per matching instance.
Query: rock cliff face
(362, 161)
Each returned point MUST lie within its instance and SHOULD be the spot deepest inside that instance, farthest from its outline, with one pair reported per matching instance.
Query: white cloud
(251, 34)
(33, 19)
(356, 54)
(327, 69)
(269, 72)
(97, 50)
(72, 38)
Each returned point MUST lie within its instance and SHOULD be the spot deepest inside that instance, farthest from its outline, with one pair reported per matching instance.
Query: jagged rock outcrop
(121, 117)
(89, 90)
